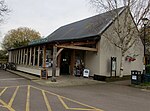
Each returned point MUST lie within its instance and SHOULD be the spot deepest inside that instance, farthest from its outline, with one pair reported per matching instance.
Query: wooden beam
(78, 48)
(59, 51)
(80, 43)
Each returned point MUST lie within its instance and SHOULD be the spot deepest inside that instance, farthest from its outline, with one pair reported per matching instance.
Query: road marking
(11, 79)
(83, 109)
(45, 91)
(13, 97)
(60, 98)
(63, 103)
(28, 99)
(44, 94)
(14, 86)
(5, 105)
(81, 103)
(3, 91)
(46, 101)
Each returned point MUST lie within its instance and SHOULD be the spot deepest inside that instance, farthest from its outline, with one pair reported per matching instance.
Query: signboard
(44, 74)
(134, 77)
(113, 65)
(86, 73)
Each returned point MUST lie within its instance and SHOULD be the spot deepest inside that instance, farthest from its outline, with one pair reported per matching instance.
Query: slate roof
(84, 29)
(87, 29)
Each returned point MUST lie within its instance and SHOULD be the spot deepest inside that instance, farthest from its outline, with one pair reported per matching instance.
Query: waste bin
(135, 77)
(146, 77)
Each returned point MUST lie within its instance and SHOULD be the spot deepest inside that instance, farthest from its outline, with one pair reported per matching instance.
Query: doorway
(65, 62)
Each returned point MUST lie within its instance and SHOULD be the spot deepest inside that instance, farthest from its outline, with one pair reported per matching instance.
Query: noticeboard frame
(44, 74)
(113, 65)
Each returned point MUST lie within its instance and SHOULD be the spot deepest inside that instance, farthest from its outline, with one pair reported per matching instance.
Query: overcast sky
(44, 16)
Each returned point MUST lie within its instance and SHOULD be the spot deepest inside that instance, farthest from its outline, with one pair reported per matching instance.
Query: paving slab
(62, 81)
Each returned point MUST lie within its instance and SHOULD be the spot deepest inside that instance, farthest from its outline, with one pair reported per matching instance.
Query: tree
(3, 54)
(125, 31)
(147, 37)
(19, 37)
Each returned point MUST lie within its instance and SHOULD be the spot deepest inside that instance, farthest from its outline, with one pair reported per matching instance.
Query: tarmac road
(19, 94)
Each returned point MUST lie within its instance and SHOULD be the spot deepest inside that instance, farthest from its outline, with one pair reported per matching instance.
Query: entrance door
(65, 62)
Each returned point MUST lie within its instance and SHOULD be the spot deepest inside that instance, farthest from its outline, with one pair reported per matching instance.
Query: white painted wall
(100, 62)
(107, 50)
(36, 71)
(92, 61)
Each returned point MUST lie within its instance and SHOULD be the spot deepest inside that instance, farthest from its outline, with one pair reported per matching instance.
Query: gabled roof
(88, 28)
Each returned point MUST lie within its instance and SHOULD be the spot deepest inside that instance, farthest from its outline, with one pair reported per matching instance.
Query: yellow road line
(13, 97)
(3, 91)
(5, 105)
(46, 101)
(28, 99)
(45, 91)
(81, 103)
(83, 109)
(63, 103)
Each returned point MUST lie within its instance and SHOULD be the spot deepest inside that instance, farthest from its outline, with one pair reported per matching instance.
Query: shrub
(148, 69)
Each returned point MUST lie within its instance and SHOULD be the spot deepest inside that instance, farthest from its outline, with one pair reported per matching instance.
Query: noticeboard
(86, 73)
(44, 74)
(113, 65)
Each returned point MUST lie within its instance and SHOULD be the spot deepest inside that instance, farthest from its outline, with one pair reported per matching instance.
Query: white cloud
(44, 16)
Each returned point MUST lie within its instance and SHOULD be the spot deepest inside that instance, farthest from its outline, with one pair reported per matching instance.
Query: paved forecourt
(30, 98)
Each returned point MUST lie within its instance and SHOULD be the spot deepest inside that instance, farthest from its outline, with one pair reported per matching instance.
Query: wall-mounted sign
(113, 65)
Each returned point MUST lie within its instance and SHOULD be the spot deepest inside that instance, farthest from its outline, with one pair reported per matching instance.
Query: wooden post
(10, 56)
(34, 56)
(59, 60)
(21, 56)
(44, 56)
(38, 62)
(24, 56)
(72, 64)
(27, 56)
(54, 64)
(30, 56)
(16, 57)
